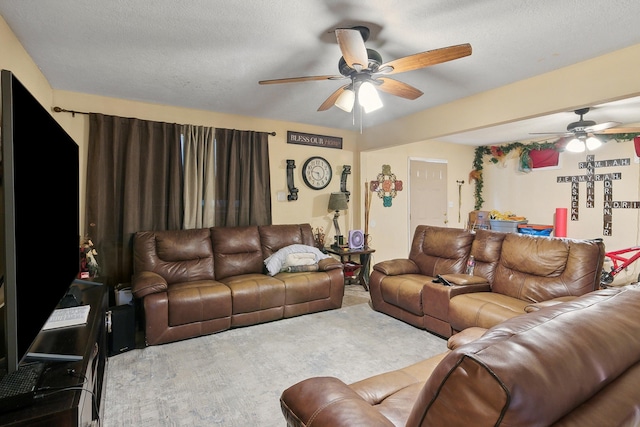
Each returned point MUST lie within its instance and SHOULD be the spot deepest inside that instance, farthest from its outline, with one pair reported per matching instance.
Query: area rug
(236, 377)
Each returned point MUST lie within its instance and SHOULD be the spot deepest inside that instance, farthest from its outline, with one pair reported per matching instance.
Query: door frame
(409, 176)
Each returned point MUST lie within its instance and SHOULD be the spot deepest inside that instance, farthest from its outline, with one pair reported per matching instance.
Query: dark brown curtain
(243, 189)
(134, 183)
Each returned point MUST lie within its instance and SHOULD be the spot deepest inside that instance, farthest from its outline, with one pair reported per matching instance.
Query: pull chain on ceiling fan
(368, 74)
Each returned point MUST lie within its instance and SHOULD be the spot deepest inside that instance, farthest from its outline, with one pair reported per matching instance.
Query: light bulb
(575, 146)
(368, 97)
(593, 143)
(346, 100)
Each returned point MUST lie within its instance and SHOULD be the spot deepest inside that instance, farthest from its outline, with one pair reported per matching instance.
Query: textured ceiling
(210, 55)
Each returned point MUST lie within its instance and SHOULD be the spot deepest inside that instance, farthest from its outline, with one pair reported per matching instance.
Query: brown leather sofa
(201, 281)
(574, 364)
(513, 272)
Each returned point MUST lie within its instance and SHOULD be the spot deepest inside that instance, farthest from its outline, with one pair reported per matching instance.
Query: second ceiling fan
(366, 71)
(584, 132)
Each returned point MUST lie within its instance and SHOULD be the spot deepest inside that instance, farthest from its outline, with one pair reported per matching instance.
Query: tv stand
(52, 357)
(69, 391)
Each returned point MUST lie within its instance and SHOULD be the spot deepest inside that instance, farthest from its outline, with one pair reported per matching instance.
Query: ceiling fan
(366, 71)
(584, 132)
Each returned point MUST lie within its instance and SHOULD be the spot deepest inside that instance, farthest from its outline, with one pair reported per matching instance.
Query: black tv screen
(40, 216)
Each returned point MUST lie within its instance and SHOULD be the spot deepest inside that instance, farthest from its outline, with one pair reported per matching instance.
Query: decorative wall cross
(386, 186)
(590, 178)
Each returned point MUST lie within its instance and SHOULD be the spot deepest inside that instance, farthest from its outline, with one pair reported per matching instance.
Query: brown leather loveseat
(575, 364)
(200, 281)
(513, 274)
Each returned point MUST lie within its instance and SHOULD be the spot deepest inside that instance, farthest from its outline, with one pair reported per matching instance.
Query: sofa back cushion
(486, 249)
(440, 250)
(176, 255)
(275, 237)
(535, 369)
(537, 268)
(236, 251)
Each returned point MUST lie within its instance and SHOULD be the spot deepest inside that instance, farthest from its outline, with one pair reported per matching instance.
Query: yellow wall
(389, 226)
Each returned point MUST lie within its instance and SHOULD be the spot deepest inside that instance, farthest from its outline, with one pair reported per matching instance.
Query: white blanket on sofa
(300, 254)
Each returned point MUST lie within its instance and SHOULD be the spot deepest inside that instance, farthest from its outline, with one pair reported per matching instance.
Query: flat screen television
(39, 209)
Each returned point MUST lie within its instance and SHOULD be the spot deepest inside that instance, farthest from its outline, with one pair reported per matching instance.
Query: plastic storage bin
(505, 226)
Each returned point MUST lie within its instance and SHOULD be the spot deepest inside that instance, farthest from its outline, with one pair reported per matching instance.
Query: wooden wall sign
(590, 178)
(314, 140)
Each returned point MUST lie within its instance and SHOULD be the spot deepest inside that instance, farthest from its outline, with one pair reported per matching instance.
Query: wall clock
(316, 173)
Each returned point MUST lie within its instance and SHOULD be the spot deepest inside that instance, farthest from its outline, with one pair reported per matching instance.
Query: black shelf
(70, 392)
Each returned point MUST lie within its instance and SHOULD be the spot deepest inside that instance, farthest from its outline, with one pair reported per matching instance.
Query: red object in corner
(544, 158)
(561, 222)
(636, 144)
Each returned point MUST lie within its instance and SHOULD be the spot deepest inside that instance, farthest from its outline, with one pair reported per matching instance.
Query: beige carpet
(235, 378)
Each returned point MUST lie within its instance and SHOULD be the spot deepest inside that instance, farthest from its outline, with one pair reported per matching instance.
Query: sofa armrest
(396, 267)
(327, 402)
(148, 282)
(329, 264)
(464, 279)
(464, 337)
(555, 301)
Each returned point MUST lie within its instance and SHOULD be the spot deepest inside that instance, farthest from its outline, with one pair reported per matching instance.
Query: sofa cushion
(255, 292)
(439, 250)
(275, 237)
(483, 309)
(404, 291)
(198, 301)
(236, 251)
(535, 268)
(559, 356)
(177, 256)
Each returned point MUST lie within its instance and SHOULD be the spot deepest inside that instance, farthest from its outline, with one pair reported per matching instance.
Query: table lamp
(338, 202)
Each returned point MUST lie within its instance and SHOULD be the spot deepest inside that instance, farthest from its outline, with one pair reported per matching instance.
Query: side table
(364, 256)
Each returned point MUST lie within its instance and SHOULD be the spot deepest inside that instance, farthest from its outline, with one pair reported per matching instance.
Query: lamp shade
(338, 202)
(593, 143)
(346, 100)
(368, 97)
(575, 146)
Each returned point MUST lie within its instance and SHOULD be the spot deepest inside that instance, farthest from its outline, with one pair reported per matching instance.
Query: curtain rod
(73, 113)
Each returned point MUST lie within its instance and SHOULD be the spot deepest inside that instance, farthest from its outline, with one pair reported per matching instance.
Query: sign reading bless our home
(315, 140)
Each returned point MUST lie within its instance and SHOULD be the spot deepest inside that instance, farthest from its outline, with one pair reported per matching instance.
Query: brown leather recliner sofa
(514, 273)
(574, 364)
(200, 281)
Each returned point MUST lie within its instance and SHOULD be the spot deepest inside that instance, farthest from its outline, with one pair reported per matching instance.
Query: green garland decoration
(499, 152)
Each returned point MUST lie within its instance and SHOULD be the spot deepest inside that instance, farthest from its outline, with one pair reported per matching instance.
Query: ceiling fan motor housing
(375, 60)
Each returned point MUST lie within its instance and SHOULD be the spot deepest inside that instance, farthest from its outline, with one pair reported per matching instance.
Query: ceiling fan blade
(551, 133)
(299, 79)
(331, 100)
(602, 126)
(426, 59)
(618, 130)
(352, 48)
(397, 88)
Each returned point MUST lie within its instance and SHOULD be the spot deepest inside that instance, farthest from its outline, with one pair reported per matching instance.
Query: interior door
(427, 193)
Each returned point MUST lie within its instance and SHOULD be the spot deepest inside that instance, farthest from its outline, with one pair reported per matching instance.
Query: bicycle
(620, 263)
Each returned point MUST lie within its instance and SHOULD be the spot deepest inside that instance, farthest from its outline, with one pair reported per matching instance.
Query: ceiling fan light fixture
(575, 146)
(368, 97)
(593, 143)
(346, 100)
